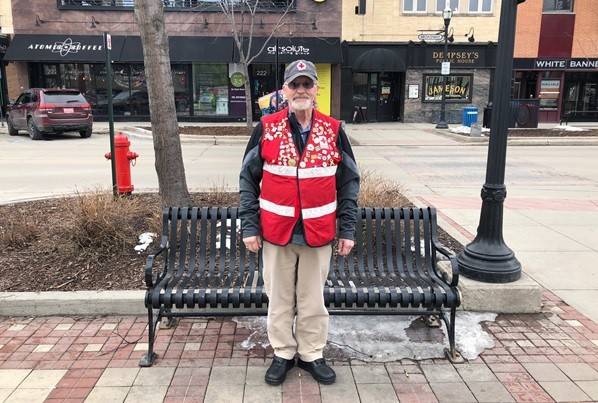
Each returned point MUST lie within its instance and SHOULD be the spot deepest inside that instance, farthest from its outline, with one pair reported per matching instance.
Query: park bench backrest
(208, 252)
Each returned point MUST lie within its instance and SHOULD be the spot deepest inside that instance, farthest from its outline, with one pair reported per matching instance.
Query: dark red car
(41, 111)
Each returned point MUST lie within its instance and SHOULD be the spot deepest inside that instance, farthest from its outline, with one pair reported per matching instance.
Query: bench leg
(167, 322)
(432, 321)
(148, 359)
(451, 353)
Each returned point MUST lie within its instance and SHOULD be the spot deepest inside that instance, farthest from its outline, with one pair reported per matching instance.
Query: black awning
(317, 50)
(379, 60)
(61, 48)
(184, 49)
(201, 49)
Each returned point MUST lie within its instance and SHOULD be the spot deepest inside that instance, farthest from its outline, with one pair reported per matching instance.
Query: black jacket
(347, 184)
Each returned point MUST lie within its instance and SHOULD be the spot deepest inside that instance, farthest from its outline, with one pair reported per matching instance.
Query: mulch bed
(51, 258)
(212, 130)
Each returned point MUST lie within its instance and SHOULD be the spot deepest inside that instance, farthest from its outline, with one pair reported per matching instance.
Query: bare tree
(243, 31)
(167, 144)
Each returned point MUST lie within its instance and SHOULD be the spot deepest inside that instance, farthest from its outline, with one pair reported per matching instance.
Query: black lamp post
(488, 258)
(447, 14)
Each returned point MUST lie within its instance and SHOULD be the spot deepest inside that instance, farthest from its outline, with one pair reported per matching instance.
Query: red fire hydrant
(122, 163)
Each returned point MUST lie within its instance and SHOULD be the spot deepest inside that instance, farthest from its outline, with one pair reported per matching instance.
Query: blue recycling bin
(470, 115)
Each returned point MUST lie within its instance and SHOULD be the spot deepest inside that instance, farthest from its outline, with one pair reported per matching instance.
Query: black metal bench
(206, 270)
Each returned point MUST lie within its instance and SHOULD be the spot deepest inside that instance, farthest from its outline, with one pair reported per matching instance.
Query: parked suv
(41, 111)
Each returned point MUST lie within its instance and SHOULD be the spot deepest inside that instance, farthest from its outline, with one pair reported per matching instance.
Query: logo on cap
(301, 66)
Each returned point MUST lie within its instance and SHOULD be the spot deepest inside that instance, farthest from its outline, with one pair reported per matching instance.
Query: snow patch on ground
(390, 337)
(145, 240)
(466, 130)
(567, 128)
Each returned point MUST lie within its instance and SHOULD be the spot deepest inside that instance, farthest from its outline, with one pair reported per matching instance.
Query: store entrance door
(263, 81)
(379, 93)
(581, 96)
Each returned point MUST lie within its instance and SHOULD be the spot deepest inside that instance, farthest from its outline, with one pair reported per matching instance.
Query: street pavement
(550, 217)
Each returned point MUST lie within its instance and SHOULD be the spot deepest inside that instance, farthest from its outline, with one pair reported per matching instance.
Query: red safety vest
(295, 186)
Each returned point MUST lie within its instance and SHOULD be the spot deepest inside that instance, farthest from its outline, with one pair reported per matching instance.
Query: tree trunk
(165, 130)
(248, 103)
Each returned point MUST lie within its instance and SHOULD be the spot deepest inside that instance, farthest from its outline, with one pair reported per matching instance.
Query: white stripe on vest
(318, 172)
(284, 170)
(287, 211)
(316, 212)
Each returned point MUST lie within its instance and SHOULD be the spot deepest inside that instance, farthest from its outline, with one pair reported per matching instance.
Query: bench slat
(389, 241)
(213, 229)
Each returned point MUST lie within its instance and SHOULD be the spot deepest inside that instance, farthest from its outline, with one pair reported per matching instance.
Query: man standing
(309, 178)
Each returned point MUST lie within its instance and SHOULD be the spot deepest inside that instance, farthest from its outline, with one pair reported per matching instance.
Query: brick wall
(326, 15)
(527, 34)
(585, 36)
(17, 79)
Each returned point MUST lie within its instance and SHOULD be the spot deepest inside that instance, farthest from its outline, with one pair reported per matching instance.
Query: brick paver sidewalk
(552, 356)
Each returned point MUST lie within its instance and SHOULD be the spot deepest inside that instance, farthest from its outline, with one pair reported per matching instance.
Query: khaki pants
(294, 278)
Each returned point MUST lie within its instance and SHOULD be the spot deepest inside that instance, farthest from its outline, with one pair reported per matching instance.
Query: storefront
(373, 77)
(566, 88)
(207, 78)
(403, 82)
(468, 84)
(267, 70)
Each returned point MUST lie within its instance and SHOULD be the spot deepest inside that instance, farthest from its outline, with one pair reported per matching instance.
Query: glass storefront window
(210, 89)
(180, 82)
(581, 94)
(458, 88)
(360, 89)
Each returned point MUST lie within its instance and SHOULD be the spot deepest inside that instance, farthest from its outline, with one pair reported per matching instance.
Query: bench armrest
(452, 259)
(149, 278)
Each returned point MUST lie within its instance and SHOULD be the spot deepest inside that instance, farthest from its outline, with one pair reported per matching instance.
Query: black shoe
(276, 374)
(319, 370)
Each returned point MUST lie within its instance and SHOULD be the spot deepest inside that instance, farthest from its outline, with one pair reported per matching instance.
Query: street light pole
(107, 49)
(488, 258)
(446, 14)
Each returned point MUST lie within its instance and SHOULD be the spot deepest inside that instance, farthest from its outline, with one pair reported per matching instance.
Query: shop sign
(465, 58)
(457, 88)
(292, 50)
(556, 64)
(237, 79)
(430, 37)
(64, 48)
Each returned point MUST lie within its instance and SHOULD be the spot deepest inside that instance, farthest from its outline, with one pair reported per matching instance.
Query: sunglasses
(308, 85)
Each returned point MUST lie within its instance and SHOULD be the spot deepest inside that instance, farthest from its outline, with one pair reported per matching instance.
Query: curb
(187, 138)
(50, 303)
(523, 141)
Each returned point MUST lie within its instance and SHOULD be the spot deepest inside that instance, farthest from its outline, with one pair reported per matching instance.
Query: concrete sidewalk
(551, 356)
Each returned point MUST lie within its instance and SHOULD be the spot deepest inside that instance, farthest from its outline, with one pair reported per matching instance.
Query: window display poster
(413, 91)
(236, 90)
(324, 85)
